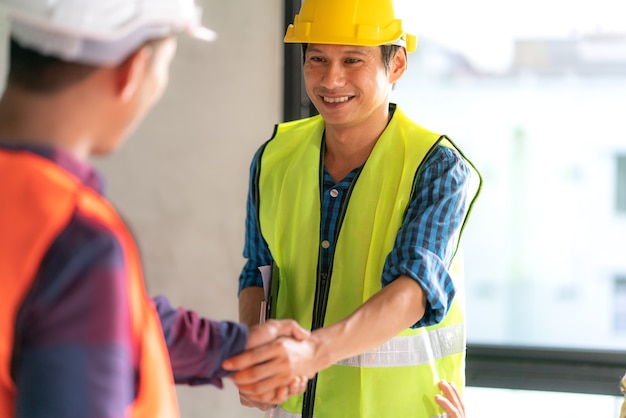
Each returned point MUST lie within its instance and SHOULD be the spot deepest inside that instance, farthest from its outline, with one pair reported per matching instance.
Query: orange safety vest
(37, 200)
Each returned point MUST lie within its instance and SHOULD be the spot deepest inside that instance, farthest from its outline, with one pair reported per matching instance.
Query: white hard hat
(99, 32)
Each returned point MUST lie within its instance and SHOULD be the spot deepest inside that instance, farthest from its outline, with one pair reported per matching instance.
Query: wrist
(323, 349)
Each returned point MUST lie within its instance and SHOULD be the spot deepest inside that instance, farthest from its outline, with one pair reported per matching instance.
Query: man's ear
(130, 73)
(398, 65)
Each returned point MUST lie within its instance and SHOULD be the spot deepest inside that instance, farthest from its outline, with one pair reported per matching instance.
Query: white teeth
(336, 99)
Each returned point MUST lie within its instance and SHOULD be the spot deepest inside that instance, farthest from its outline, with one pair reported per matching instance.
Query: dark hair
(38, 73)
(387, 52)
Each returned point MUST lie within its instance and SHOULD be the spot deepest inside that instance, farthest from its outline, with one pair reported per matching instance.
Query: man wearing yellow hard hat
(79, 337)
(360, 211)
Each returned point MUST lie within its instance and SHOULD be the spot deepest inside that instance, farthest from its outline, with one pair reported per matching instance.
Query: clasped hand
(276, 364)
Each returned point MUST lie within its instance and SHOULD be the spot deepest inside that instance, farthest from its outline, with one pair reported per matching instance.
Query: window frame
(596, 372)
(620, 183)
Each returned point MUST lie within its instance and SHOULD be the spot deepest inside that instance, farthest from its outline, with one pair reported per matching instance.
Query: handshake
(277, 363)
(279, 359)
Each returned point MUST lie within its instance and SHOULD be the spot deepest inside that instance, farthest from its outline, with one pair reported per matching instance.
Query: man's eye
(352, 60)
(316, 59)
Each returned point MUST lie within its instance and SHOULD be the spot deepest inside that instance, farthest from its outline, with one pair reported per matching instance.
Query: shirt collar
(82, 170)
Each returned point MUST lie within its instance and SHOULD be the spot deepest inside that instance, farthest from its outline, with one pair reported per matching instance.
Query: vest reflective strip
(278, 412)
(413, 350)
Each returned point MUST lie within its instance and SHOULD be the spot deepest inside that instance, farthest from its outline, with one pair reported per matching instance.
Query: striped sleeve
(427, 238)
(255, 250)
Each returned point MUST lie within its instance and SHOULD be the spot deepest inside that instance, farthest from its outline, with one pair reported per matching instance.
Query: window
(619, 305)
(524, 404)
(535, 106)
(536, 109)
(620, 181)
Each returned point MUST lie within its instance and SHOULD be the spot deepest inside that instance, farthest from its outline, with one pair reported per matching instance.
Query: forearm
(197, 346)
(250, 300)
(395, 308)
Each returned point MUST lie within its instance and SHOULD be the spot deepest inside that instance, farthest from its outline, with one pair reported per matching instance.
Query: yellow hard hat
(349, 22)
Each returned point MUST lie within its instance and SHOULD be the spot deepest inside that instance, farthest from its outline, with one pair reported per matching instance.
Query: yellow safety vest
(399, 378)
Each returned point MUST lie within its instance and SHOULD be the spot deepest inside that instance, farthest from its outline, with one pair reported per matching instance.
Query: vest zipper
(323, 282)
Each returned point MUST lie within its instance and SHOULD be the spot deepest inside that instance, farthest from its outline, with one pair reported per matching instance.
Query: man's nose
(334, 75)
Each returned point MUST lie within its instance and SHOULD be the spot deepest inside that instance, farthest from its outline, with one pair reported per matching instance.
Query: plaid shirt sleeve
(427, 238)
(255, 249)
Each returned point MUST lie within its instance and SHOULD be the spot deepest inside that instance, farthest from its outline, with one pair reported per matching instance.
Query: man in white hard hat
(79, 337)
(360, 211)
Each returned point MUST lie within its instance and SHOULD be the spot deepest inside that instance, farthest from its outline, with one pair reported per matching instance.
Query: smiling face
(349, 85)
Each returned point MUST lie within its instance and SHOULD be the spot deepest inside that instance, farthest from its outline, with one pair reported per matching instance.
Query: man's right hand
(281, 394)
(254, 404)
(274, 328)
(261, 335)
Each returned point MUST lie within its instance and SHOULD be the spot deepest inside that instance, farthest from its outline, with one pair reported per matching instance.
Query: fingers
(245, 401)
(450, 410)
(263, 371)
(281, 394)
(265, 391)
(249, 358)
(273, 372)
(261, 335)
(452, 393)
(288, 328)
(298, 333)
(252, 385)
(284, 355)
(274, 397)
(451, 402)
(272, 329)
(298, 385)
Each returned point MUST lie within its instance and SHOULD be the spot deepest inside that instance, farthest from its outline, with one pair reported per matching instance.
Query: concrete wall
(181, 180)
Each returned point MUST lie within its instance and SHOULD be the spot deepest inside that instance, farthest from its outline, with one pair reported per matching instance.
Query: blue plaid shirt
(425, 242)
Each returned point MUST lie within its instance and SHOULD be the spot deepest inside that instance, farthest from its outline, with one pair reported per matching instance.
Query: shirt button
(334, 193)
(325, 244)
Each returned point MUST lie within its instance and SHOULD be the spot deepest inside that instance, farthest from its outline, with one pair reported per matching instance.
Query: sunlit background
(535, 93)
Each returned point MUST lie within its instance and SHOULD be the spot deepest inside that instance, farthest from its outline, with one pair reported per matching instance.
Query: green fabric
(289, 213)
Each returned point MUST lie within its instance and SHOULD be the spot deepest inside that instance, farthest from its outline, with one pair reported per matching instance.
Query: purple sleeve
(198, 346)
(72, 354)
